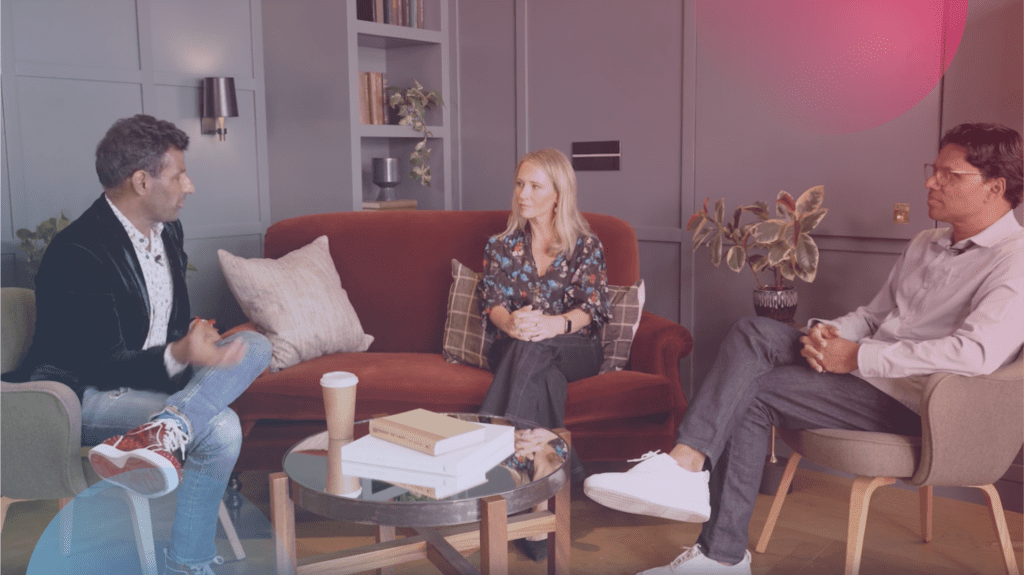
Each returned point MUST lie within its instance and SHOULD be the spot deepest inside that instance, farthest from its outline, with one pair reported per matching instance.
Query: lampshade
(219, 99)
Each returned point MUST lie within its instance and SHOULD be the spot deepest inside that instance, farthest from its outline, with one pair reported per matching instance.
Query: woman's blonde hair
(569, 223)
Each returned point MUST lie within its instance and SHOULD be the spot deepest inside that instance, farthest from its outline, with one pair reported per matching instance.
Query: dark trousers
(759, 379)
(531, 379)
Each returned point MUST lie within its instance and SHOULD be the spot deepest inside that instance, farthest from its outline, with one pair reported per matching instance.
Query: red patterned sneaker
(146, 460)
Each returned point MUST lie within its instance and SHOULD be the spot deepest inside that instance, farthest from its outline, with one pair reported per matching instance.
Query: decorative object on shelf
(385, 175)
(787, 249)
(34, 244)
(219, 101)
(412, 104)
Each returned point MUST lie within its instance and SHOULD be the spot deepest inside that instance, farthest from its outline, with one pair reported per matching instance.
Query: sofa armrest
(971, 427)
(658, 345)
(42, 431)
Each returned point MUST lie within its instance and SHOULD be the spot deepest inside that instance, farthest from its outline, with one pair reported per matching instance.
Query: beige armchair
(971, 429)
(41, 452)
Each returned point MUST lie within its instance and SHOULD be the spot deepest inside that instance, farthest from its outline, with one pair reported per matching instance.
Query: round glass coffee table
(444, 528)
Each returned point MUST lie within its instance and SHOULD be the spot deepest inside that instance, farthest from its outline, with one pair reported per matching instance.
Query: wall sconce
(218, 102)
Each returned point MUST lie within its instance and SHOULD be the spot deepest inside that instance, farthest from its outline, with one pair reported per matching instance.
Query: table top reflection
(383, 503)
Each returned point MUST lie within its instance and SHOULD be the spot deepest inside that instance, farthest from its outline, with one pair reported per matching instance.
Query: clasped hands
(201, 347)
(530, 324)
(825, 351)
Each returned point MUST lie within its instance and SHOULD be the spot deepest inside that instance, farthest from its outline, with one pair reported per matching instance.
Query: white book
(429, 484)
(498, 444)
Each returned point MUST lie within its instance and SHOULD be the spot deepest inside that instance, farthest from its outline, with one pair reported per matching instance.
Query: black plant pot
(779, 305)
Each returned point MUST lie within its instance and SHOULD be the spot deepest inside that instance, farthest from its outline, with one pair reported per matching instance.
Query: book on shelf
(498, 444)
(378, 11)
(376, 98)
(364, 10)
(426, 431)
(364, 97)
(390, 205)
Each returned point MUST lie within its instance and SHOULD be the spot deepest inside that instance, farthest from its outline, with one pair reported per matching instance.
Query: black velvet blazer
(92, 308)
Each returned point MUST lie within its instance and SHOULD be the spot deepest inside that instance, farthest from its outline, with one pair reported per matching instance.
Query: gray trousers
(531, 379)
(759, 379)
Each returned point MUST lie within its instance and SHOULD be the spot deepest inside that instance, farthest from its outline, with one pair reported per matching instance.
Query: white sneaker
(656, 486)
(694, 562)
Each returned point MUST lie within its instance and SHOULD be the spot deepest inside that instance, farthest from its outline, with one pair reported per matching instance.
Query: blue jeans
(215, 438)
(759, 379)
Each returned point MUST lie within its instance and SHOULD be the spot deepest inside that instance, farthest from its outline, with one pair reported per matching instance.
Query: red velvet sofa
(396, 268)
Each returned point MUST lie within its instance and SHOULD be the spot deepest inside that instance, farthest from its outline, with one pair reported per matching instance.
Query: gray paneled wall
(74, 66)
(639, 73)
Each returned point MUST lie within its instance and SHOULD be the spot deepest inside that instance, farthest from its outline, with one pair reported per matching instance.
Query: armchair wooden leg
(780, 497)
(860, 500)
(926, 498)
(282, 517)
(995, 507)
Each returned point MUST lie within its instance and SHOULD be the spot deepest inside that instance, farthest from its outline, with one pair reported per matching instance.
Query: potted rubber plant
(412, 105)
(776, 246)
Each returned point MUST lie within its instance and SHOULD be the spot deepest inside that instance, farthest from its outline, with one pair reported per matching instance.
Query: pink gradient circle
(835, 66)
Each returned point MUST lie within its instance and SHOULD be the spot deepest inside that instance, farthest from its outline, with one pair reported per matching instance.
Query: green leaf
(806, 257)
(25, 235)
(778, 253)
(768, 232)
(735, 258)
(810, 200)
(757, 262)
(811, 220)
(716, 249)
(719, 211)
(787, 271)
(759, 209)
(785, 206)
(696, 222)
(736, 214)
(699, 237)
(47, 228)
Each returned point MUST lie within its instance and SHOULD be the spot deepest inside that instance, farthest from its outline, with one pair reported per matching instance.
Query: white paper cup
(337, 482)
(339, 389)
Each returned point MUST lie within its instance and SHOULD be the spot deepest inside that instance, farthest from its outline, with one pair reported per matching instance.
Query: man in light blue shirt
(954, 302)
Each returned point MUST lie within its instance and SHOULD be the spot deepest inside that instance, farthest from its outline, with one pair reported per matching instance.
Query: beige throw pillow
(297, 301)
(617, 334)
(465, 341)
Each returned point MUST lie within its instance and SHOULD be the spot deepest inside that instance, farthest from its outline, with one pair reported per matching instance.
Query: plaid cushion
(464, 339)
(617, 334)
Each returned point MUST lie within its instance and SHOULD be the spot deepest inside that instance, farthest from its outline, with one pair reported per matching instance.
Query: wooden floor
(809, 538)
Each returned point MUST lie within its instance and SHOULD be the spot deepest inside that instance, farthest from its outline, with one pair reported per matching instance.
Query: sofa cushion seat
(396, 382)
(388, 383)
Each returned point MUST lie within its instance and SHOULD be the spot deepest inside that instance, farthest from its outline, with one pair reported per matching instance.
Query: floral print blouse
(510, 279)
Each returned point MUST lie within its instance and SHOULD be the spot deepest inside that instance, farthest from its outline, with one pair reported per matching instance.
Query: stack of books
(398, 12)
(429, 454)
(373, 99)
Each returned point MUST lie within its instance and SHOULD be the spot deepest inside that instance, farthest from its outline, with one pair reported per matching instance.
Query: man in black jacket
(113, 323)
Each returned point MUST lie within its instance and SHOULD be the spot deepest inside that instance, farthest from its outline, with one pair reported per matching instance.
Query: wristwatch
(568, 324)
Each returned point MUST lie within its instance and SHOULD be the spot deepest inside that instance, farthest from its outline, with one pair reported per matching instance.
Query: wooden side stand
(443, 547)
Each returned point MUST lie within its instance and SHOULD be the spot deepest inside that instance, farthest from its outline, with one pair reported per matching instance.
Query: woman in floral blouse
(544, 292)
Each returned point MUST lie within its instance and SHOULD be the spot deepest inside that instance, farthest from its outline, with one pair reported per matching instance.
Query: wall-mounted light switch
(901, 213)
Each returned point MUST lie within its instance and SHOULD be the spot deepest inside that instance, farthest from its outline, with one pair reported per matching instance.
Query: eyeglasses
(944, 175)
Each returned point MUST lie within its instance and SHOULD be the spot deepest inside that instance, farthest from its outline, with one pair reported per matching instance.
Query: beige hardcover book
(426, 431)
(390, 205)
(364, 98)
